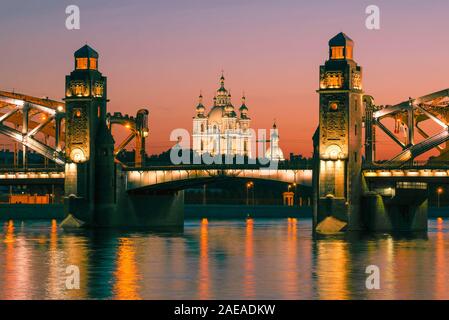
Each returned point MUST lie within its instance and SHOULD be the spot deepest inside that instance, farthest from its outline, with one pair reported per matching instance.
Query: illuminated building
(222, 130)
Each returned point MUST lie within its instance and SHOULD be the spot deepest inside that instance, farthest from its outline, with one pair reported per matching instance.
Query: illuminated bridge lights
(32, 175)
(143, 178)
(406, 173)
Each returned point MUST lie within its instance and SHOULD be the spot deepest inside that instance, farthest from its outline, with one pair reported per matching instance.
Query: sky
(160, 54)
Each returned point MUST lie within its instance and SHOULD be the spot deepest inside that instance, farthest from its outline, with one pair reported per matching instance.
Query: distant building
(274, 152)
(222, 130)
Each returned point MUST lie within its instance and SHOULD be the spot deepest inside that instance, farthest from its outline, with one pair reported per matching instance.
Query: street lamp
(439, 192)
(249, 185)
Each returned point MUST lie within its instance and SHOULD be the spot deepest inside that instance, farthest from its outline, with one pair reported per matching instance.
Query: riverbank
(31, 211)
(210, 211)
(219, 211)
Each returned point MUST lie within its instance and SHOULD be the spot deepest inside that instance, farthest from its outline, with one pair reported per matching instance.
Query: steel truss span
(39, 124)
(408, 117)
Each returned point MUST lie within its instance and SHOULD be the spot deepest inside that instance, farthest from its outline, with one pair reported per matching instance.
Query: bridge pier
(95, 185)
(384, 215)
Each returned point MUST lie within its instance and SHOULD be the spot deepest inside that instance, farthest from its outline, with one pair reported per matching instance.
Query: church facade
(222, 130)
(227, 131)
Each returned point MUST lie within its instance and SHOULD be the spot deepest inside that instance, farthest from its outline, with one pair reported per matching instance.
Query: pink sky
(160, 54)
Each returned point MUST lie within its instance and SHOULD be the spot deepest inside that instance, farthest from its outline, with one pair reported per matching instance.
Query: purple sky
(160, 54)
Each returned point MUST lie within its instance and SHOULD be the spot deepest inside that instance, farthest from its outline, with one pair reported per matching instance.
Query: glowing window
(93, 63)
(333, 106)
(77, 113)
(334, 80)
(337, 53)
(349, 52)
(81, 63)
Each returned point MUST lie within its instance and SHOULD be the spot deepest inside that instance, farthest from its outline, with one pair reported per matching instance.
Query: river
(253, 259)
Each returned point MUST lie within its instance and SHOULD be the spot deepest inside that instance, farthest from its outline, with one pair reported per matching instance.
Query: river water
(254, 259)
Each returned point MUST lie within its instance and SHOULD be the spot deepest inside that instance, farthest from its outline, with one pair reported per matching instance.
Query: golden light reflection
(9, 235)
(440, 262)
(332, 270)
(17, 277)
(249, 279)
(291, 276)
(126, 275)
(55, 260)
(76, 255)
(203, 284)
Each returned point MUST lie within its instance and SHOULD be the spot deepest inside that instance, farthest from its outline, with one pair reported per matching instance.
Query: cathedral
(224, 131)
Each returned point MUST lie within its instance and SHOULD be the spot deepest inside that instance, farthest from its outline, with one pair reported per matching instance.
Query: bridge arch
(179, 179)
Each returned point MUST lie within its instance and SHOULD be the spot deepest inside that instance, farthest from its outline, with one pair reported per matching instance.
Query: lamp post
(439, 192)
(249, 185)
(294, 186)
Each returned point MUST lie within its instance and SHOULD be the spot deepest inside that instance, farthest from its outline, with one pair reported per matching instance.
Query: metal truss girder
(425, 135)
(420, 148)
(405, 105)
(33, 144)
(36, 129)
(9, 114)
(391, 109)
(389, 133)
(432, 117)
(124, 143)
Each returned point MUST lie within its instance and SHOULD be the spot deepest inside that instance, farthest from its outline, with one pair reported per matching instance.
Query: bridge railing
(31, 168)
(444, 165)
(305, 165)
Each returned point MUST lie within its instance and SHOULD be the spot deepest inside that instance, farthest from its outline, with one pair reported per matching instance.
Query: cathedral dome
(200, 109)
(216, 114)
(243, 108)
(229, 109)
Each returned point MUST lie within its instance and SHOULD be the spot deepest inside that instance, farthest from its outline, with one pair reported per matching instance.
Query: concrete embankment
(31, 211)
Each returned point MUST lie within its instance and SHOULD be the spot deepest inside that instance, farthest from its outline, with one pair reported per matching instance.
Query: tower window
(93, 63)
(355, 129)
(81, 63)
(349, 52)
(86, 63)
(337, 52)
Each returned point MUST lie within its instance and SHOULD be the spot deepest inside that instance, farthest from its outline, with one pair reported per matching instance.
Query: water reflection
(332, 269)
(252, 259)
(249, 280)
(203, 278)
(126, 275)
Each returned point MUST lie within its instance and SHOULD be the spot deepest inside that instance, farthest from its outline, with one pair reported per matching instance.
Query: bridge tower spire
(89, 143)
(338, 141)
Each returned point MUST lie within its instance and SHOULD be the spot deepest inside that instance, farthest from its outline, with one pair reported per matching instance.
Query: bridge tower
(338, 140)
(89, 144)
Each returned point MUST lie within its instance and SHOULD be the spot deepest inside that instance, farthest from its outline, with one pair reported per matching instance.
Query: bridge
(182, 177)
(353, 190)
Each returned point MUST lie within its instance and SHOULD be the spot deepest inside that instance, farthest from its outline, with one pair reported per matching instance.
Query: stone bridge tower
(338, 140)
(89, 185)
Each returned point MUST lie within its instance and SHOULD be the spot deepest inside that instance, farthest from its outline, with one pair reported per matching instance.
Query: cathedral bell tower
(338, 141)
(89, 144)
